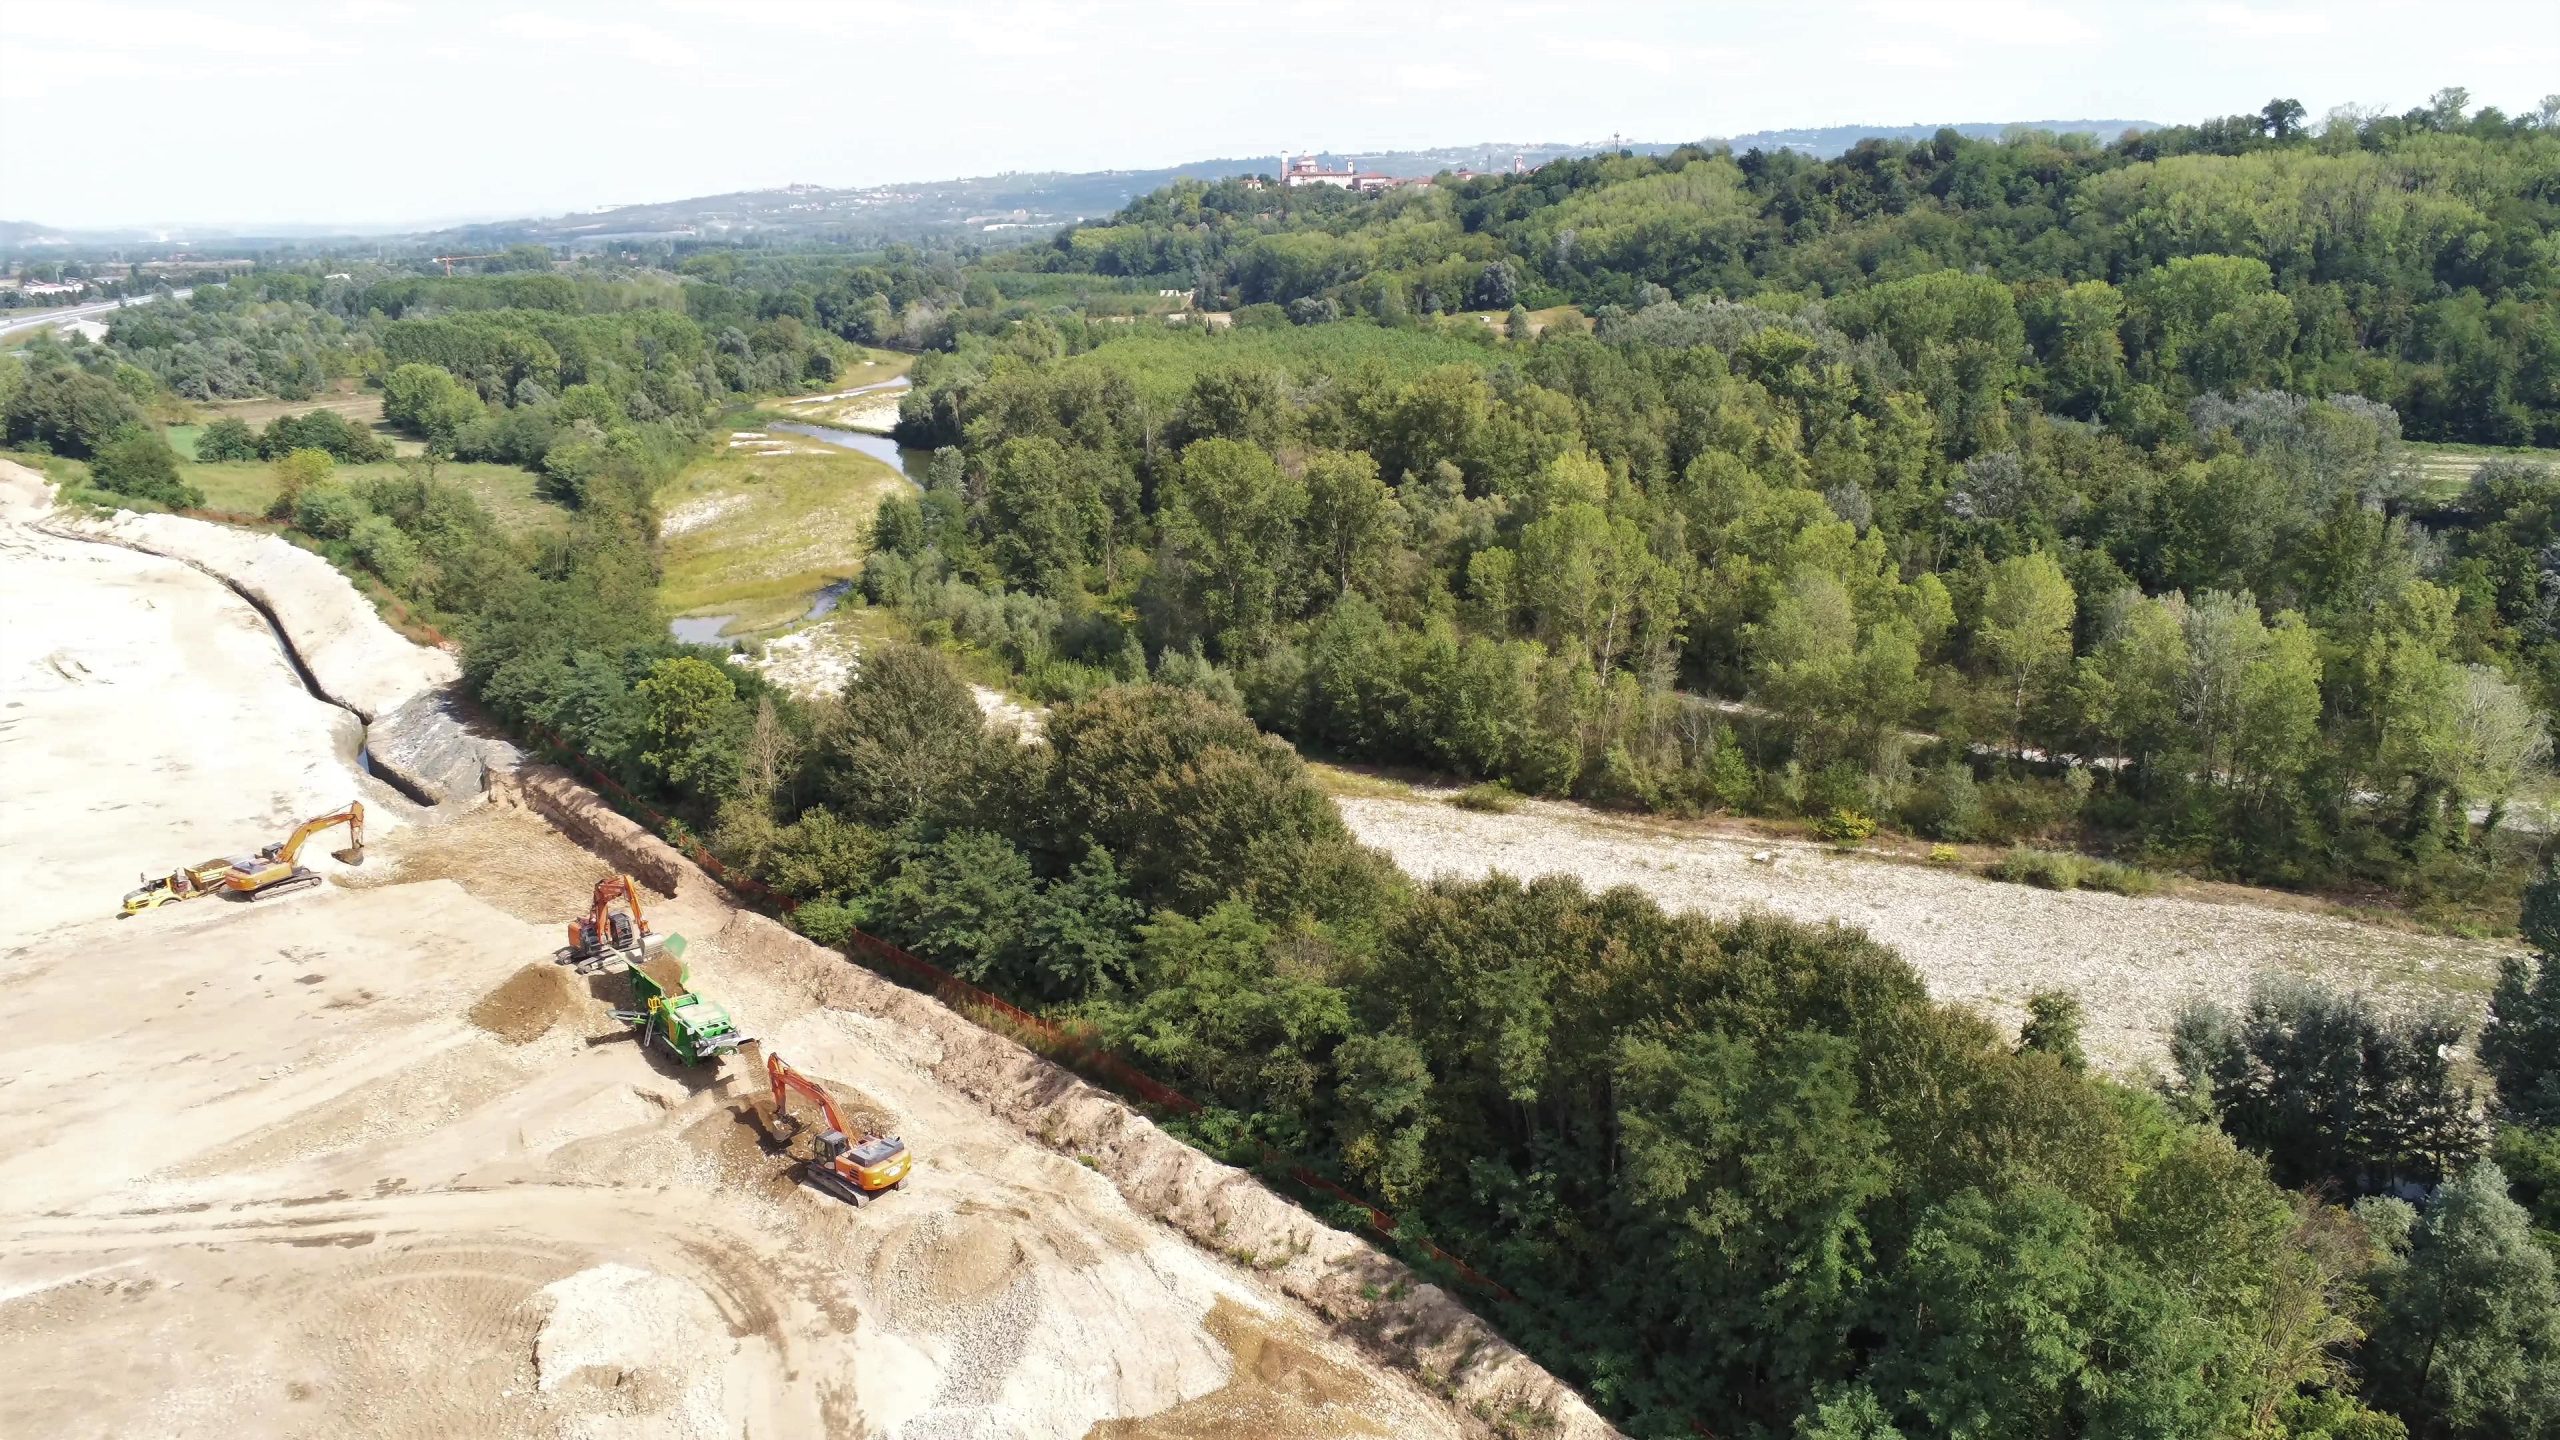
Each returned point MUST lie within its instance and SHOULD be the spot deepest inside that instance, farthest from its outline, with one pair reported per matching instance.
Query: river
(909, 463)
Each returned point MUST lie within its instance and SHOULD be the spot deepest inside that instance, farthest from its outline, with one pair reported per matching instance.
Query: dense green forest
(1920, 487)
(2090, 457)
(2404, 258)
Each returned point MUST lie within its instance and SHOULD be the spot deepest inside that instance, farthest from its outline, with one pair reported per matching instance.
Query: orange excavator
(272, 871)
(855, 1171)
(604, 936)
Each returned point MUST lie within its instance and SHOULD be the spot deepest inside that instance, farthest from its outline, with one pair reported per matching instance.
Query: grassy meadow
(756, 528)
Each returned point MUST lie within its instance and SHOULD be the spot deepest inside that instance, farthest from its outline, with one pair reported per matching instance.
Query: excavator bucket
(352, 855)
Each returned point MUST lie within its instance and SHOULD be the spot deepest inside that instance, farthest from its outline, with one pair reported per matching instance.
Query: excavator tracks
(300, 880)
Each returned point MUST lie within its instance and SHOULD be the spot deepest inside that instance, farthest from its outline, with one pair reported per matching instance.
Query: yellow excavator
(272, 871)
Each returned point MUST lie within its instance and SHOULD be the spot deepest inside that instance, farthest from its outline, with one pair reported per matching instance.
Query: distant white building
(54, 287)
(1307, 170)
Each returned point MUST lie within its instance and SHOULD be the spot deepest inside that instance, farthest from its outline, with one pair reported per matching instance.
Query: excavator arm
(853, 1167)
(272, 871)
(352, 817)
(594, 941)
(785, 1080)
(608, 890)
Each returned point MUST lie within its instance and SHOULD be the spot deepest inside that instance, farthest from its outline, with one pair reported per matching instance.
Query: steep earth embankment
(416, 729)
(364, 1161)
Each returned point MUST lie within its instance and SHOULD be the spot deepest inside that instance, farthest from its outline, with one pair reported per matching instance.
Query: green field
(2443, 470)
(1164, 360)
(756, 535)
(248, 487)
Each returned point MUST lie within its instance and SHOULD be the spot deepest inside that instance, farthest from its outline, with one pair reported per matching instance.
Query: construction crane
(447, 260)
(855, 1171)
(604, 936)
(272, 871)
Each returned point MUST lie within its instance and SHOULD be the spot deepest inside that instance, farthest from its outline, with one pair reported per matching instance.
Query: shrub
(322, 430)
(1491, 798)
(827, 922)
(385, 551)
(138, 463)
(2056, 870)
(2044, 869)
(228, 438)
(1845, 826)
(1945, 804)
(2023, 810)
(2117, 879)
(327, 511)
(297, 471)
(1944, 854)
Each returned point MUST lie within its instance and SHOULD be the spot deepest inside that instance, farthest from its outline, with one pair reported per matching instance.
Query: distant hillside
(21, 232)
(1835, 140)
(1032, 204)
(995, 208)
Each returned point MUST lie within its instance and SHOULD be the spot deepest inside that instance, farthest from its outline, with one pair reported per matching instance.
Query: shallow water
(909, 463)
(828, 597)
(700, 629)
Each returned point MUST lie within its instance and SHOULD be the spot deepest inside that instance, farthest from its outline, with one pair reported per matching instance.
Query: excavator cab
(860, 1172)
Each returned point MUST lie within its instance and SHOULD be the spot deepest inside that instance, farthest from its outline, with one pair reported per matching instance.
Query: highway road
(12, 323)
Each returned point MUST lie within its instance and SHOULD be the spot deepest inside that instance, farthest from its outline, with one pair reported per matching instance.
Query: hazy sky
(372, 111)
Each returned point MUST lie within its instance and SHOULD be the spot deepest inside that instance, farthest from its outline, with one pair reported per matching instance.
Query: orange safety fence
(1082, 1053)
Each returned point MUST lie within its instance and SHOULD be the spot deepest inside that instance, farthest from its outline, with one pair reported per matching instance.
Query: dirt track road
(363, 1162)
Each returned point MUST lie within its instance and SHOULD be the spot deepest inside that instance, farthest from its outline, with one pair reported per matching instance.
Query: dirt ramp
(504, 855)
(579, 812)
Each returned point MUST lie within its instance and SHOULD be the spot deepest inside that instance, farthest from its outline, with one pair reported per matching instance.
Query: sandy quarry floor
(362, 1161)
(2133, 962)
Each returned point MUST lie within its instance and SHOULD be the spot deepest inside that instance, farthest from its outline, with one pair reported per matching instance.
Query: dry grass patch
(1337, 781)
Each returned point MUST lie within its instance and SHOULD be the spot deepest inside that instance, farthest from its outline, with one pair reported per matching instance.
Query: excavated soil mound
(952, 1262)
(528, 1004)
